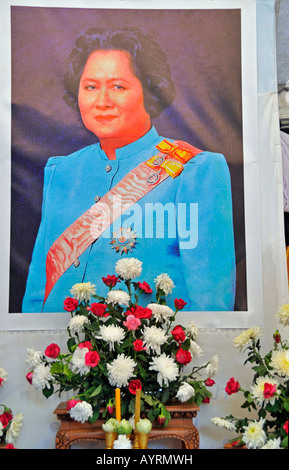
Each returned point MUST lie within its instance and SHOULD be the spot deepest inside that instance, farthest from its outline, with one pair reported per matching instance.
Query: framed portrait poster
(201, 225)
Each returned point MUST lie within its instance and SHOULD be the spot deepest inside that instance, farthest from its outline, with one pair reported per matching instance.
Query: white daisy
(166, 368)
(254, 435)
(76, 324)
(154, 338)
(121, 370)
(164, 282)
(14, 429)
(185, 392)
(41, 377)
(33, 358)
(128, 268)
(78, 365)
(120, 297)
(81, 412)
(111, 334)
(161, 313)
(83, 291)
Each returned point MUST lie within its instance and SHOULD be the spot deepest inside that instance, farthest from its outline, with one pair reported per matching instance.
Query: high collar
(134, 147)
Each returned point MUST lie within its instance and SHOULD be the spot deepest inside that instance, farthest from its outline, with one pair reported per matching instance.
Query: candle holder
(110, 437)
(142, 440)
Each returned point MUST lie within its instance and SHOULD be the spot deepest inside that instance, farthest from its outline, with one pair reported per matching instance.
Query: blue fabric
(202, 266)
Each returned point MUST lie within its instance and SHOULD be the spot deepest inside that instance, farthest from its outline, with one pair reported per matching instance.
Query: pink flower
(92, 358)
(161, 420)
(145, 287)
(1, 380)
(71, 403)
(132, 323)
(286, 426)
(232, 386)
(269, 390)
(5, 418)
(85, 344)
(209, 382)
(110, 281)
(138, 345)
(183, 357)
(29, 377)
(110, 408)
(70, 304)
(52, 351)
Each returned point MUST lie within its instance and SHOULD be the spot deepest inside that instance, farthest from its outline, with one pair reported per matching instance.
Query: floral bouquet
(10, 426)
(115, 343)
(268, 395)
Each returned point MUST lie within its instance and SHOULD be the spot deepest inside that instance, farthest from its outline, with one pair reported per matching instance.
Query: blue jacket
(183, 227)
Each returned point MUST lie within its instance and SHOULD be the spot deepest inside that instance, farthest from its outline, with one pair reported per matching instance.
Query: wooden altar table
(180, 427)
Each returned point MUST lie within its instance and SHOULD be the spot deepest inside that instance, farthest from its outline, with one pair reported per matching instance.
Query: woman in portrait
(133, 193)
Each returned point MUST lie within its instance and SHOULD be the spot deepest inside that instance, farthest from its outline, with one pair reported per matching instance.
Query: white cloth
(285, 158)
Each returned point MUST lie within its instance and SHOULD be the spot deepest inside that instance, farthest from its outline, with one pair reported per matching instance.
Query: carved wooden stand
(180, 427)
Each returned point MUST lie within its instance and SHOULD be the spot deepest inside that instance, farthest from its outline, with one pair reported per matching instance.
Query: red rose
(183, 357)
(138, 345)
(110, 281)
(179, 334)
(5, 418)
(269, 390)
(161, 420)
(110, 409)
(70, 304)
(232, 386)
(180, 303)
(29, 377)
(52, 351)
(98, 309)
(10, 446)
(140, 312)
(206, 400)
(92, 358)
(145, 287)
(85, 344)
(209, 382)
(71, 403)
(1, 380)
(277, 337)
(286, 426)
(134, 385)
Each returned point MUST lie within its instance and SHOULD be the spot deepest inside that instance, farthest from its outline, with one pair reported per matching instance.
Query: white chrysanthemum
(254, 435)
(122, 442)
(33, 358)
(128, 268)
(272, 444)
(163, 282)
(161, 313)
(78, 365)
(192, 330)
(3, 376)
(111, 334)
(195, 349)
(223, 423)
(76, 324)
(1, 429)
(154, 338)
(83, 291)
(166, 368)
(246, 337)
(81, 412)
(258, 390)
(41, 377)
(213, 366)
(185, 392)
(121, 370)
(14, 429)
(280, 362)
(120, 297)
(283, 315)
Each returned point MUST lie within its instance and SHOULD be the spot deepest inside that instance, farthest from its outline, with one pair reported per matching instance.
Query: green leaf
(71, 343)
(96, 391)
(47, 392)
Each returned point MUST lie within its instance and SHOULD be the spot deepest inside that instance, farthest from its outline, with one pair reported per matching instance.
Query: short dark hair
(149, 64)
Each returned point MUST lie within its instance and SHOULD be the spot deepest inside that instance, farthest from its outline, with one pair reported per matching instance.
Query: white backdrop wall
(40, 424)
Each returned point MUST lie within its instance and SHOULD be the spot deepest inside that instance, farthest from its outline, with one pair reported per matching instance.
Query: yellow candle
(117, 404)
(137, 406)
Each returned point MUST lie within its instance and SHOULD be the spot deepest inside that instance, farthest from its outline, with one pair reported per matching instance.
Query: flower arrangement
(114, 343)
(268, 395)
(10, 426)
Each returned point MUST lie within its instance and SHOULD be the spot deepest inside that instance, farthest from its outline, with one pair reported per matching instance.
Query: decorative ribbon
(91, 225)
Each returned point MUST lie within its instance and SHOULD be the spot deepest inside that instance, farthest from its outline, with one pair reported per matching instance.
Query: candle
(117, 404)
(137, 405)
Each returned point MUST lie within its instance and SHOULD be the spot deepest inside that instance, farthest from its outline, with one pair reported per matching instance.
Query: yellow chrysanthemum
(283, 315)
(280, 362)
(245, 337)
